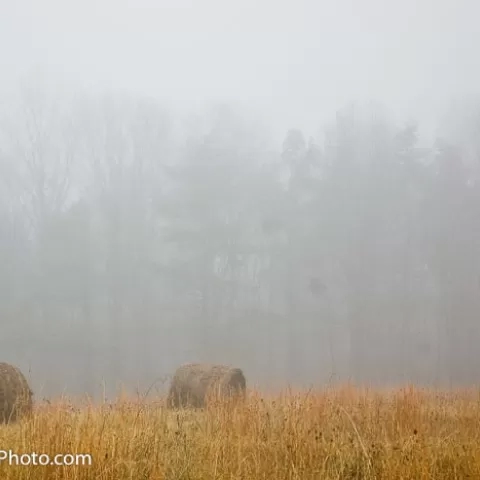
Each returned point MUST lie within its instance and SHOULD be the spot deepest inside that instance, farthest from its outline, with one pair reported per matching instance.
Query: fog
(290, 187)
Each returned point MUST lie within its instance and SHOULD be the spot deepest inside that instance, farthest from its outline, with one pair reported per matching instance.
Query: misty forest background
(129, 246)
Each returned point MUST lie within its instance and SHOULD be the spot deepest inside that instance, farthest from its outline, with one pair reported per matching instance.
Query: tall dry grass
(342, 433)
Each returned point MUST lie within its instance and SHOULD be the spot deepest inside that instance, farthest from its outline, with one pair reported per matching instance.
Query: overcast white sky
(294, 61)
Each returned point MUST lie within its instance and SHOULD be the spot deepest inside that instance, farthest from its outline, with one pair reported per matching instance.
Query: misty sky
(295, 62)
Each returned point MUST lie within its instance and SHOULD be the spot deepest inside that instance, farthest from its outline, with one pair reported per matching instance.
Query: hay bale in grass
(15, 394)
(193, 383)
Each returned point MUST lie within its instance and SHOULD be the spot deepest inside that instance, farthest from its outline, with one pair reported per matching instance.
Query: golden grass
(342, 433)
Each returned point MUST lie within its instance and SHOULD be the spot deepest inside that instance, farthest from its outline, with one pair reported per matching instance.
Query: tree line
(130, 244)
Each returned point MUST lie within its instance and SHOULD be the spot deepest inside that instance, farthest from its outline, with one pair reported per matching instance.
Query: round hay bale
(15, 394)
(194, 382)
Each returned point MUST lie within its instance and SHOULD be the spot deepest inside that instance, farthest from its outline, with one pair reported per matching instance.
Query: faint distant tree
(209, 219)
(125, 146)
(295, 219)
(39, 152)
(363, 223)
(38, 137)
(451, 234)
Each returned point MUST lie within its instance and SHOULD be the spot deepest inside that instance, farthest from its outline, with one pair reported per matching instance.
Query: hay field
(341, 433)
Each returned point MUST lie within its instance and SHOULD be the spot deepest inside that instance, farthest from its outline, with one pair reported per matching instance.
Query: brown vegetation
(340, 434)
(15, 394)
(194, 383)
